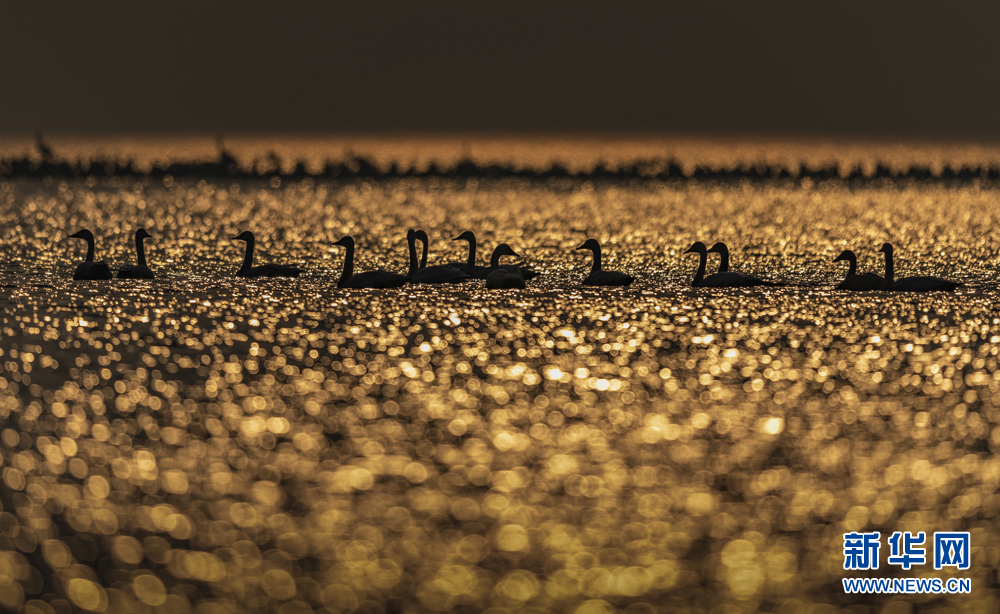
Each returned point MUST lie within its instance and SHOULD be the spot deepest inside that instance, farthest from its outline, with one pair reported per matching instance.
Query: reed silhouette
(352, 166)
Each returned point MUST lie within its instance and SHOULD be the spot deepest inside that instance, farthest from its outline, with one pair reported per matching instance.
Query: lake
(205, 443)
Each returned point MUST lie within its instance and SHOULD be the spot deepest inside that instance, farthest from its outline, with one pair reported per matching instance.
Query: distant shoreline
(363, 167)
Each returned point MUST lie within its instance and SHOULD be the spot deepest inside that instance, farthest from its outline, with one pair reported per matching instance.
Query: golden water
(211, 444)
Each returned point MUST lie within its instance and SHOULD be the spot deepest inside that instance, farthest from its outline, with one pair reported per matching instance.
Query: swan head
(886, 249)
(347, 241)
(504, 250)
(591, 244)
(847, 255)
(82, 234)
(719, 248)
(142, 234)
(411, 235)
(422, 236)
(246, 235)
(697, 248)
(468, 235)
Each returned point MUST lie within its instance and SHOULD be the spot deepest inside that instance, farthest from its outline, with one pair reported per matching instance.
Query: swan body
(598, 276)
(264, 270)
(481, 272)
(911, 284)
(368, 279)
(438, 274)
(500, 251)
(139, 270)
(853, 281)
(724, 278)
(501, 277)
(88, 269)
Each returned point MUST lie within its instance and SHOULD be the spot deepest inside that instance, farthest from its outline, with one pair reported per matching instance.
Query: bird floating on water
(436, 274)
(138, 270)
(469, 266)
(88, 269)
(501, 276)
(368, 279)
(598, 276)
(853, 281)
(734, 280)
(264, 270)
(911, 284)
(726, 279)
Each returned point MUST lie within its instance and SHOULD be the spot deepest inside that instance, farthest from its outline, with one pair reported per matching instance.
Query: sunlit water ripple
(211, 444)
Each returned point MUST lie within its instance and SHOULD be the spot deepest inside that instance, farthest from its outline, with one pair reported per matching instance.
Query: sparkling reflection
(201, 443)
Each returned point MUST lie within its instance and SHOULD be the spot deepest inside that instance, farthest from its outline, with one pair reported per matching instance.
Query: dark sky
(896, 69)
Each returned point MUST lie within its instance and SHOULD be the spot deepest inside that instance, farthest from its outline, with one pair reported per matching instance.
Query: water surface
(212, 444)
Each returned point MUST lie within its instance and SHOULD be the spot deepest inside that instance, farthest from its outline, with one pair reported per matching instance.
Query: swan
(730, 279)
(599, 277)
(264, 270)
(88, 269)
(853, 281)
(411, 244)
(438, 274)
(501, 250)
(911, 284)
(138, 270)
(469, 266)
(482, 272)
(716, 280)
(501, 277)
(368, 279)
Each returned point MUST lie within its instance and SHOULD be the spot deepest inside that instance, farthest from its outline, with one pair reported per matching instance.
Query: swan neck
(348, 265)
(495, 259)
(247, 257)
(423, 258)
(888, 280)
(140, 251)
(597, 260)
(724, 260)
(411, 241)
(470, 264)
(90, 249)
(700, 273)
(852, 268)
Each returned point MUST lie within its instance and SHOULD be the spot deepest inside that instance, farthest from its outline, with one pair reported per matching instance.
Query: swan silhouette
(723, 251)
(368, 279)
(498, 252)
(598, 276)
(411, 244)
(500, 276)
(502, 279)
(482, 272)
(469, 266)
(138, 270)
(88, 269)
(730, 279)
(726, 279)
(264, 270)
(853, 281)
(437, 274)
(911, 284)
